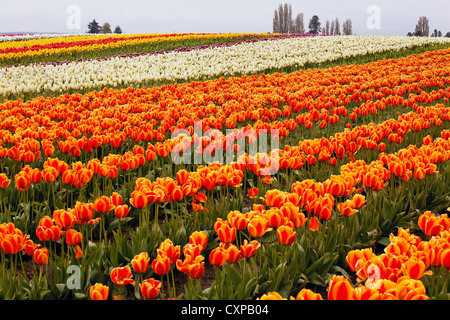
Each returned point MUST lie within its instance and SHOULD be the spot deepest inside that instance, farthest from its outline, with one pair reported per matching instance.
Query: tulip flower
(150, 288)
(248, 249)
(73, 237)
(199, 238)
(64, 219)
(121, 211)
(415, 269)
(140, 262)
(103, 205)
(161, 265)
(271, 296)
(218, 256)
(340, 288)
(4, 181)
(314, 224)
(99, 291)
(122, 276)
(226, 233)
(170, 250)
(257, 227)
(234, 254)
(253, 192)
(286, 235)
(307, 294)
(40, 256)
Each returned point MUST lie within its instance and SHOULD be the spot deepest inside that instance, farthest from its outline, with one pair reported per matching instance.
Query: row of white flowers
(246, 58)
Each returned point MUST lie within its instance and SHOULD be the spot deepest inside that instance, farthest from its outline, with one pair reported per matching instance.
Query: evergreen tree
(314, 25)
(118, 30)
(93, 27)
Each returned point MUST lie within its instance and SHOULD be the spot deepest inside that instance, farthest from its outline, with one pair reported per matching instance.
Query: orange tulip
(359, 200)
(234, 254)
(340, 288)
(347, 208)
(30, 247)
(199, 238)
(84, 212)
(314, 223)
(161, 265)
(73, 237)
(150, 288)
(122, 276)
(170, 250)
(103, 205)
(12, 243)
(445, 258)
(248, 249)
(140, 262)
(218, 256)
(415, 269)
(253, 192)
(64, 219)
(286, 235)
(193, 267)
(4, 181)
(49, 174)
(99, 291)
(430, 224)
(226, 233)
(354, 256)
(121, 211)
(271, 296)
(22, 181)
(138, 199)
(41, 256)
(257, 227)
(307, 294)
(116, 199)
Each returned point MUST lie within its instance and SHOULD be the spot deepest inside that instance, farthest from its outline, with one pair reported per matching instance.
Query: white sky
(397, 17)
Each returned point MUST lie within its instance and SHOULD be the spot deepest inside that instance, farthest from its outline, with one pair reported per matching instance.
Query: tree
(298, 24)
(347, 27)
(332, 27)
(447, 35)
(282, 19)
(93, 27)
(118, 30)
(422, 27)
(105, 28)
(314, 25)
(337, 27)
(276, 22)
(326, 30)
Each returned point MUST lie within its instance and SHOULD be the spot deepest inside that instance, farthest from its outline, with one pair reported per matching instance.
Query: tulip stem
(444, 288)
(173, 285)
(162, 289)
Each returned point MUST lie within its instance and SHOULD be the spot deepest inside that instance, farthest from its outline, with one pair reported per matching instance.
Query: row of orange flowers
(110, 116)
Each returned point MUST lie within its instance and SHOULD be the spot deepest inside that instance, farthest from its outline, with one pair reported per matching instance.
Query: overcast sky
(377, 17)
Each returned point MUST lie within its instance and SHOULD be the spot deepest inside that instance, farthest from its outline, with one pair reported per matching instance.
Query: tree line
(423, 29)
(283, 22)
(94, 27)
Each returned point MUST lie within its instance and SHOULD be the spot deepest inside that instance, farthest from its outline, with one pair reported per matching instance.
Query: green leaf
(388, 212)
(385, 241)
(250, 287)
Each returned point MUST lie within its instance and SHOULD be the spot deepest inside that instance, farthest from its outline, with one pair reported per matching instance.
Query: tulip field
(224, 167)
